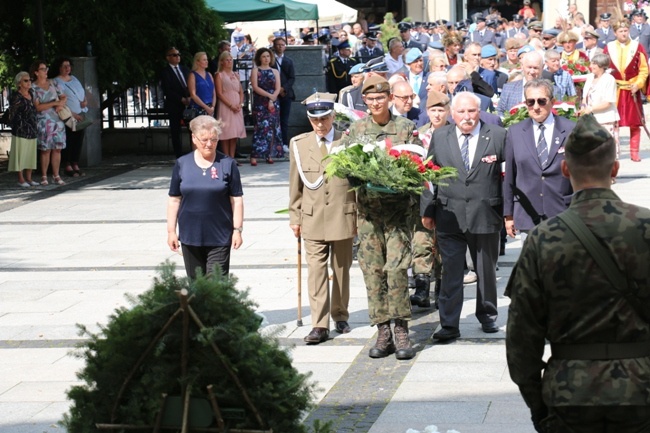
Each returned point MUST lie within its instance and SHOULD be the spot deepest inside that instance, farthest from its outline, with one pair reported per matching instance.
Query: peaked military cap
(319, 104)
(404, 27)
(376, 65)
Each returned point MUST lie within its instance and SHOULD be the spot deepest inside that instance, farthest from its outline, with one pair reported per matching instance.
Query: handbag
(84, 123)
(189, 113)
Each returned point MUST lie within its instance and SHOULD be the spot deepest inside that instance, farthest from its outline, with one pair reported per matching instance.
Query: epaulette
(301, 136)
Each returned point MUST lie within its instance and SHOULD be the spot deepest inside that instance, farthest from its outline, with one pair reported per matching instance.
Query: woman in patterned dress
(267, 140)
(22, 117)
(49, 99)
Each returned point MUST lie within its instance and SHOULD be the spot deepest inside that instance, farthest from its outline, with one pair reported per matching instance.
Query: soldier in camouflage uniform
(384, 228)
(598, 377)
(425, 248)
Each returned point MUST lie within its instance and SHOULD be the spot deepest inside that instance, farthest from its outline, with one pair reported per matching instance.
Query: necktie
(180, 76)
(416, 84)
(638, 27)
(542, 149)
(464, 151)
(370, 52)
(323, 146)
(481, 33)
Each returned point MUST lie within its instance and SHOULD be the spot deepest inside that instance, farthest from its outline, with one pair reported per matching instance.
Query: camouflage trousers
(384, 257)
(426, 256)
(597, 419)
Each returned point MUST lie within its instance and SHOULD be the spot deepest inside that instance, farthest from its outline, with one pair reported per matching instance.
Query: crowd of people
(47, 116)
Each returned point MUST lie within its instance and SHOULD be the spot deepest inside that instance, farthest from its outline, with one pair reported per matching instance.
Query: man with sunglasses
(534, 188)
(173, 80)
(384, 227)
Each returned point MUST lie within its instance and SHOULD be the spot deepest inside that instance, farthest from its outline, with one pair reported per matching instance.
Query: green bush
(277, 390)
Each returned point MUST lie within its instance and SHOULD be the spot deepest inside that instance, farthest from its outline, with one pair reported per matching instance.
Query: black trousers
(73, 142)
(597, 419)
(175, 116)
(285, 112)
(205, 258)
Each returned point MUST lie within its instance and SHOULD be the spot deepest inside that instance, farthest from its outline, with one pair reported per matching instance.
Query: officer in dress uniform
(605, 31)
(338, 68)
(323, 212)
(597, 320)
(640, 30)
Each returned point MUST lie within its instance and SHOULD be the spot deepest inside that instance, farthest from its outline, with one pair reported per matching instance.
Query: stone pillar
(308, 63)
(84, 68)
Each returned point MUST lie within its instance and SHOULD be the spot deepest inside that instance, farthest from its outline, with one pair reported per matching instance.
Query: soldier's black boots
(384, 345)
(402, 342)
(422, 291)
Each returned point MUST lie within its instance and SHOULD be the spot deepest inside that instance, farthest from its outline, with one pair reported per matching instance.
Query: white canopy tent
(330, 13)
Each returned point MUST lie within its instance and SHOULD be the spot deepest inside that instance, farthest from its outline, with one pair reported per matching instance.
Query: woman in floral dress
(51, 129)
(267, 141)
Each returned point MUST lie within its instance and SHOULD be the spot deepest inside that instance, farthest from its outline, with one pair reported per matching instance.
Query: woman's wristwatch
(238, 229)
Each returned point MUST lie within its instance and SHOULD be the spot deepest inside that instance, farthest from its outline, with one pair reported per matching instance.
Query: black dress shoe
(342, 327)
(490, 327)
(317, 335)
(447, 333)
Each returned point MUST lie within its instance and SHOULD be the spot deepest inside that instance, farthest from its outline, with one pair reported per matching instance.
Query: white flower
(431, 429)
(336, 149)
(382, 144)
(412, 431)
(369, 147)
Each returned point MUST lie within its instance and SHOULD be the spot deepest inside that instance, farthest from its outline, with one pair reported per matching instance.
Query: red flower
(421, 168)
(565, 67)
(394, 153)
(430, 164)
(435, 167)
(570, 72)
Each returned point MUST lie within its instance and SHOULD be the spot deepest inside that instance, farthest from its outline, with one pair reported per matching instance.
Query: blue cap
(343, 45)
(525, 49)
(488, 51)
(436, 45)
(413, 55)
(551, 32)
(376, 65)
(239, 38)
(356, 69)
(276, 34)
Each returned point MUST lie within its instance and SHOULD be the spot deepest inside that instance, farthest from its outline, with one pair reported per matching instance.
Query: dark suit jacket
(488, 37)
(548, 191)
(287, 76)
(173, 89)
(473, 201)
(363, 55)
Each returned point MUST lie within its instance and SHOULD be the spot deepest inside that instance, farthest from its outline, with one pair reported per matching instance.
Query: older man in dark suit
(173, 80)
(467, 211)
(287, 77)
(534, 188)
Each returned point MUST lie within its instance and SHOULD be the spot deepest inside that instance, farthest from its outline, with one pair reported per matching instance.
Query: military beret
(413, 55)
(344, 45)
(357, 69)
(404, 27)
(488, 51)
(436, 98)
(606, 16)
(375, 84)
(587, 135)
(525, 49)
(319, 104)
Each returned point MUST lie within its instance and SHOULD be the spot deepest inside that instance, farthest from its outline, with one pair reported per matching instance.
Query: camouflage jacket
(398, 130)
(560, 294)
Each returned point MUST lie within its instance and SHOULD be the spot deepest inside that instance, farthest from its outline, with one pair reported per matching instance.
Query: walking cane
(639, 111)
(299, 321)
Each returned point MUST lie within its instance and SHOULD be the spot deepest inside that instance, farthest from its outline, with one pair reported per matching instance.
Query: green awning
(263, 10)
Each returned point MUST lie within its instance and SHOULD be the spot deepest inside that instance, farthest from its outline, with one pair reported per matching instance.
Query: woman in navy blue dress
(201, 86)
(267, 140)
(205, 202)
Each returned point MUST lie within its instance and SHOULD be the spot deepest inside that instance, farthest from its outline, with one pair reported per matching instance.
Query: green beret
(586, 136)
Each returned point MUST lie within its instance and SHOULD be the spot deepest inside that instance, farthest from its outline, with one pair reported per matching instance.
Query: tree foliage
(128, 37)
(277, 390)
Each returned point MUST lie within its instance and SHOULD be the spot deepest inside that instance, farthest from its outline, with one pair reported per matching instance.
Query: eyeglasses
(205, 141)
(174, 55)
(44, 68)
(548, 39)
(378, 99)
(405, 98)
(540, 101)
(26, 80)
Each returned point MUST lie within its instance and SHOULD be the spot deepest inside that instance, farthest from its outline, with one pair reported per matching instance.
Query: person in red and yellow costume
(629, 63)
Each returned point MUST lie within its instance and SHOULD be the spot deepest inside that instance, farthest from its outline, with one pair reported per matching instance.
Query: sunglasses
(540, 101)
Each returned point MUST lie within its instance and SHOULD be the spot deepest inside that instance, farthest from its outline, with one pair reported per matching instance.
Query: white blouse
(603, 91)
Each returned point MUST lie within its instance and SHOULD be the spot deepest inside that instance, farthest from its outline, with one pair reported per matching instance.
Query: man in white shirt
(393, 59)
